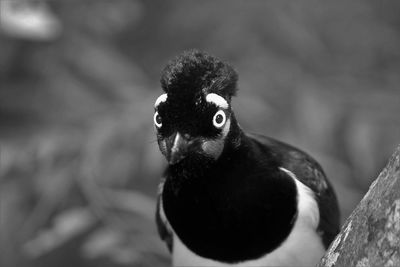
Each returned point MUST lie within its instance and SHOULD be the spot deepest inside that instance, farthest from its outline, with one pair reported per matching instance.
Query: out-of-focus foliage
(79, 161)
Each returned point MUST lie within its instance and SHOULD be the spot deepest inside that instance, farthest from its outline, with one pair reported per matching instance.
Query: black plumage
(195, 72)
(227, 198)
(310, 173)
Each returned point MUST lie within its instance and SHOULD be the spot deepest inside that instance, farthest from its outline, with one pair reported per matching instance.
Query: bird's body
(230, 198)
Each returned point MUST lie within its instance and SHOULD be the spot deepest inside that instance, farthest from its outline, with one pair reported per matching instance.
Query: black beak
(177, 148)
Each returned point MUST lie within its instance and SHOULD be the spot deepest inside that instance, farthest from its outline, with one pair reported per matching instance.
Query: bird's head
(193, 116)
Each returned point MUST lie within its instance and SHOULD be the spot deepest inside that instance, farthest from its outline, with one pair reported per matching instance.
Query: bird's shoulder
(163, 226)
(309, 172)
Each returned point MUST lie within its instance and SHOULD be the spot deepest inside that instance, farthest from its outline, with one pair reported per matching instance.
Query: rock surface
(371, 235)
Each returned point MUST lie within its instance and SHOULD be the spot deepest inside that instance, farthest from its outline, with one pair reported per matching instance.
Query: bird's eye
(219, 119)
(157, 120)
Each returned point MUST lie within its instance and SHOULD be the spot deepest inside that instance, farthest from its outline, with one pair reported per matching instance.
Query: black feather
(221, 216)
(310, 173)
(194, 73)
(163, 228)
(163, 231)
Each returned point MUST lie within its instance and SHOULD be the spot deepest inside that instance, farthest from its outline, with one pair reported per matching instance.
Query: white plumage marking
(306, 201)
(226, 129)
(303, 246)
(160, 99)
(217, 100)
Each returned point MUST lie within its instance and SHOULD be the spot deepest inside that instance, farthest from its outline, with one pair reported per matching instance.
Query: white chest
(302, 248)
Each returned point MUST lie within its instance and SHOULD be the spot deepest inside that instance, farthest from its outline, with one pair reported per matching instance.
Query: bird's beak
(177, 148)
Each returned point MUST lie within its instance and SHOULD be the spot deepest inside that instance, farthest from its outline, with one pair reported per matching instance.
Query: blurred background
(79, 162)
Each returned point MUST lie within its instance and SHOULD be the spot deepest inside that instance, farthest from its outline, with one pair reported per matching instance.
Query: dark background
(79, 161)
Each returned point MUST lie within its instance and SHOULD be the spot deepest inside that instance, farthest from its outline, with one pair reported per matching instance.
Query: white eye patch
(219, 119)
(160, 99)
(157, 120)
(218, 100)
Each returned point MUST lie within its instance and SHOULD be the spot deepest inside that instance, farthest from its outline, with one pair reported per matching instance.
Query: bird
(228, 197)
